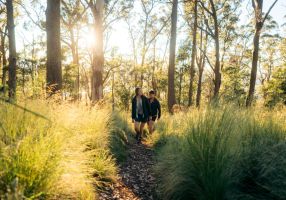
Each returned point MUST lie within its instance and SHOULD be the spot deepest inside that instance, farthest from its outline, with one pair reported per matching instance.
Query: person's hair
(152, 92)
(137, 90)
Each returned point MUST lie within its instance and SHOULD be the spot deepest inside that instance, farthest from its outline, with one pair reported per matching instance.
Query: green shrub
(120, 136)
(208, 154)
(30, 153)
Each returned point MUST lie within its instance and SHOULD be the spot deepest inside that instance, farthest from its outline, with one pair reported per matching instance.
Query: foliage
(41, 158)
(212, 152)
(276, 88)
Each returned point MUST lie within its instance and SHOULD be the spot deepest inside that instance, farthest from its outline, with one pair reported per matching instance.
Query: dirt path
(136, 181)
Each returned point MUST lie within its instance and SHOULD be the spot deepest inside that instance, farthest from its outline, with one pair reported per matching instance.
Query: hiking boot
(137, 136)
(139, 140)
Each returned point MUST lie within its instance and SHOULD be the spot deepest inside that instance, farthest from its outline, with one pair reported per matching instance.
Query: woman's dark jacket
(145, 106)
(155, 108)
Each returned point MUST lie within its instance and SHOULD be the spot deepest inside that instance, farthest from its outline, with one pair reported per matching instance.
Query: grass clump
(30, 154)
(120, 136)
(221, 153)
(64, 157)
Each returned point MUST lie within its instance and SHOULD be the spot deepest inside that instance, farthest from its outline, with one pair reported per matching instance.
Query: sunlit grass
(66, 156)
(221, 153)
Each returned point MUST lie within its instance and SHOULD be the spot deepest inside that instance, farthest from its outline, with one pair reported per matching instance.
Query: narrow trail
(136, 181)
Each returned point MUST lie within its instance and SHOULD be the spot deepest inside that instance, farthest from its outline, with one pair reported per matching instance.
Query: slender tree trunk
(259, 22)
(4, 60)
(54, 68)
(172, 58)
(12, 49)
(154, 82)
(255, 58)
(194, 51)
(98, 55)
(180, 86)
(75, 56)
(201, 67)
(217, 81)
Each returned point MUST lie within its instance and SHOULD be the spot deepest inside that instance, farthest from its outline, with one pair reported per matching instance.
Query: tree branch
(269, 10)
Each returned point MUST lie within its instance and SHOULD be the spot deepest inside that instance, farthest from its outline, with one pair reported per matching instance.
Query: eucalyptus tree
(12, 49)
(259, 23)
(53, 29)
(3, 38)
(193, 7)
(172, 57)
(73, 18)
(220, 20)
(104, 13)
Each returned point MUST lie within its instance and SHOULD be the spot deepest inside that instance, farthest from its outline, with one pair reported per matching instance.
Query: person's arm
(133, 110)
(159, 110)
(148, 108)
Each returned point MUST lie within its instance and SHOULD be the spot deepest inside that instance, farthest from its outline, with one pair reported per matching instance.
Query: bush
(213, 152)
(30, 153)
(120, 136)
(62, 157)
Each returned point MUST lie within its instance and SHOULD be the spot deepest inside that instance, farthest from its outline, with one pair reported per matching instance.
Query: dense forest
(69, 69)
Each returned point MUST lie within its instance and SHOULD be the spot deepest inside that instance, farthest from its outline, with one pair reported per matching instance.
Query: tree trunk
(12, 50)
(75, 56)
(255, 57)
(217, 81)
(172, 58)
(201, 66)
(4, 60)
(180, 86)
(54, 68)
(194, 51)
(98, 55)
(257, 6)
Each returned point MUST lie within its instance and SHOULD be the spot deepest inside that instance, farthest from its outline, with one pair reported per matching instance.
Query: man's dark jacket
(155, 108)
(145, 106)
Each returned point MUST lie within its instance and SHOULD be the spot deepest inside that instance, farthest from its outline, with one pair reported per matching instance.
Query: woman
(140, 112)
(155, 110)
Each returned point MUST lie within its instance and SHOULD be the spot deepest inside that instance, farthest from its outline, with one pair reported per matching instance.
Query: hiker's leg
(151, 126)
(137, 128)
(142, 128)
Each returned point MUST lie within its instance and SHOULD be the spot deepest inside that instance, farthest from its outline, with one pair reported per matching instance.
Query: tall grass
(30, 153)
(221, 153)
(65, 157)
(120, 136)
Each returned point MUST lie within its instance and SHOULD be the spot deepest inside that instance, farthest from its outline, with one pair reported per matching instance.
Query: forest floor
(135, 181)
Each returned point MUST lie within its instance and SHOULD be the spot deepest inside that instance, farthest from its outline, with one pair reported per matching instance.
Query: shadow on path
(136, 181)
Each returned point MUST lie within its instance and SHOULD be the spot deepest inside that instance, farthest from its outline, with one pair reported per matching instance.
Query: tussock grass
(121, 136)
(65, 157)
(221, 153)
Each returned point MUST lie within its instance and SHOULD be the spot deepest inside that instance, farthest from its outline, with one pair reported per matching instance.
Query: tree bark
(54, 68)
(217, 80)
(194, 51)
(255, 57)
(4, 60)
(98, 55)
(259, 22)
(201, 66)
(12, 50)
(172, 58)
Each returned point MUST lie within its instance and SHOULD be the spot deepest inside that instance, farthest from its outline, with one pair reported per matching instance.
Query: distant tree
(259, 22)
(172, 57)
(275, 89)
(194, 7)
(54, 68)
(201, 61)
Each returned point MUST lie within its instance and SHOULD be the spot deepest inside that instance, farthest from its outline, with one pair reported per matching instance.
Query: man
(155, 110)
(140, 112)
